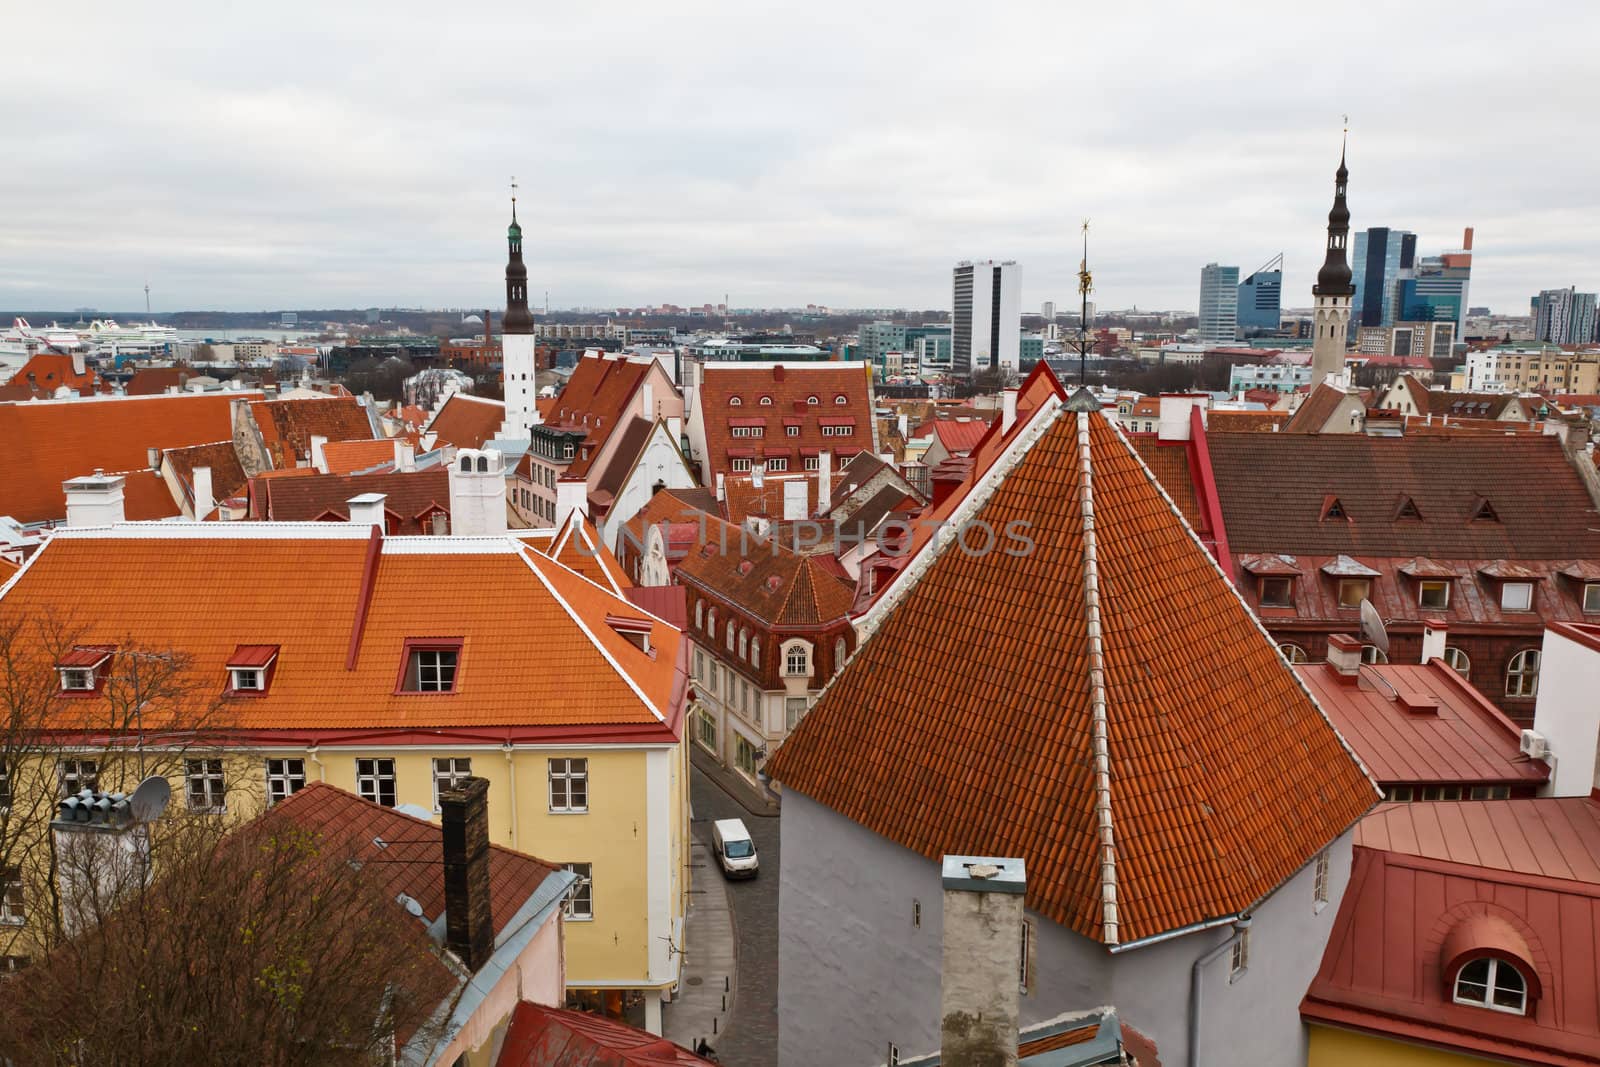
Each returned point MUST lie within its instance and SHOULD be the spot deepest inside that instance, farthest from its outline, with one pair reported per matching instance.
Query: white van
(736, 852)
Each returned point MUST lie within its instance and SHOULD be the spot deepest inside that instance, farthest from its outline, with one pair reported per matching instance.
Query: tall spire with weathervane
(518, 347)
(1333, 290)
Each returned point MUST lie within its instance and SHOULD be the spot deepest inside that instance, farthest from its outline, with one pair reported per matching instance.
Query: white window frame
(206, 773)
(85, 772)
(283, 781)
(1437, 584)
(740, 466)
(565, 772)
(1239, 955)
(77, 679)
(1490, 987)
(13, 904)
(1519, 603)
(1458, 661)
(579, 904)
(796, 668)
(372, 773)
(1523, 666)
(1293, 652)
(813, 463)
(255, 676)
(777, 464)
(1372, 654)
(791, 431)
(1319, 882)
(794, 709)
(447, 771)
(432, 675)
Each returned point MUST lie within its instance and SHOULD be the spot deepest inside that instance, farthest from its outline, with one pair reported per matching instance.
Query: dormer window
(735, 401)
(1433, 594)
(841, 399)
(1277, 592)
(250, 668)
(1408, 510)
(811, 400)
(1492, 983)
(1591, 598)
(1333, 510)
(431, 666)
(84, 669)
(1352, 591)
(635, 631)
(1516, 596)
(1484, 512)
(766, 401)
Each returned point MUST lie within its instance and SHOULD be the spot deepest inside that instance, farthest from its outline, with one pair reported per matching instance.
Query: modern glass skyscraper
(1261, 298)
(987, 316)
(1219, 304)
(1381, 254)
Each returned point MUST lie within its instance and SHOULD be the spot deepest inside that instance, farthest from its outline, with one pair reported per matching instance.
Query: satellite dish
(150, 799)
(1372, 627)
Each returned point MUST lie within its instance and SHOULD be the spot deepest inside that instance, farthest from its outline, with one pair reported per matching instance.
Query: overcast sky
(300, 155)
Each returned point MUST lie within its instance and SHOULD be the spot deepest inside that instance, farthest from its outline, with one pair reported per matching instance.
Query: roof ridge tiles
(1097, 691)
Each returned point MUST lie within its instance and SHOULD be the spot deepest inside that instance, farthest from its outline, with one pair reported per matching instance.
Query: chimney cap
(985, 874)
(1345, 643)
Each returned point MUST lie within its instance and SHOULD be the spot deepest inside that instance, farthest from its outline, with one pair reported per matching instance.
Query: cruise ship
(108, 337)
(23, 340)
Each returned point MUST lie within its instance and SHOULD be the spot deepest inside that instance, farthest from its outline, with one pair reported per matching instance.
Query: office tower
(1380, 255)
(880, 338)
(1048, 312)
(1219, 304)
(1261, 298)
(1333, 291)
(1564, 316)
(987, 315)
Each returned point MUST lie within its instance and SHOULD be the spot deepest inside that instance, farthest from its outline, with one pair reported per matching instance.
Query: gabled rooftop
(287, 426)
(1094, 702)
(466, 421)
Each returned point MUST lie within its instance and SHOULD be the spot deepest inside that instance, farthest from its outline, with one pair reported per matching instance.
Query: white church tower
(517, 342)
(1333, 291)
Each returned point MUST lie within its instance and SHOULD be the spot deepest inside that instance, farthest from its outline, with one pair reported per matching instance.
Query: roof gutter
(1241, 924)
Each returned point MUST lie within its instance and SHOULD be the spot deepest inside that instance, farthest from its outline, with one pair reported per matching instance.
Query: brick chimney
(469, 920)
(1344, 655)
(978, 993)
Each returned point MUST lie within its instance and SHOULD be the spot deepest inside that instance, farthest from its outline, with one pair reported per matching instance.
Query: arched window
(735, 401)
(766, 401)
(841, 399)
(466, 464)
(755, 653)
(711, 622)
(811, 400)
(794, 662)
(1492, 983)
(483, 464)
(744, 644)
(1522, 676)
(1457, 661)
(1373, 654)
(730, 635)
(1293, 653)
(839, 653)
(699, 614)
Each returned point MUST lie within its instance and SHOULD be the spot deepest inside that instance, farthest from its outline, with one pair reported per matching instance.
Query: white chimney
(1566, 717)
(367, 509)
(722, 488)
(1434, 632)
(477, 493)
(80, 365)
(204, 499)
(572, 494)
(982, 965)
(405, 456)
(94, 499)
(1344, 655)
(1008, 410)
(904, 422)
(824, 481)
(1173, 422)
(319, 458)
(647, 400)
(794, 500)
(675, 430)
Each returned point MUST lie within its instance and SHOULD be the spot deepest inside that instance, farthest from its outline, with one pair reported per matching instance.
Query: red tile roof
(347, 457)
(1273, 487)
(789, 387)
(579, 547)
(1315, 411)
(287, 426)
(1462, 739)
(594, 399)
(413, 497)
(410, 860)
(145, 495)
(1169, 462)
(966, 720)
(1245, 421)
(553, 1037)
(1433, 883)
(153, 381)
(770, 582)
(339, 660)
(42, 444)
(227, 473)
(956, 435)
(46, 372)
(466, 421)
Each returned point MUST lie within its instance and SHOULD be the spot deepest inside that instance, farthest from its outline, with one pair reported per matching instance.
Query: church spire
(517, 317)
(1334, 277)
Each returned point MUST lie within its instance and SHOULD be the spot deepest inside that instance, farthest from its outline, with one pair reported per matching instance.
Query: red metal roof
(1435, 883)
(253, 655)
(959, 436)
(1464, 740)
(554, 1037)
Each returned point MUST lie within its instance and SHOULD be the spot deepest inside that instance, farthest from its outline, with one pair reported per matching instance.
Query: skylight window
(431, 667)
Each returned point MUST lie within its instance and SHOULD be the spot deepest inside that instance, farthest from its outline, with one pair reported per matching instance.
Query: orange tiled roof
(227, 473)
(46, 372)
(789, 387)
(594, 399)
(466, 421)
(44, 443)
(347, 457)
(579, 547)
(287, 426)
(967, 721)
(341, 618)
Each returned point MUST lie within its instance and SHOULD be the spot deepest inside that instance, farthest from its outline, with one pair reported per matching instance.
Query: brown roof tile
(945, 742)
(287, 426)
(412, 496)
(227, 474)
(466, 421)
(789, 387)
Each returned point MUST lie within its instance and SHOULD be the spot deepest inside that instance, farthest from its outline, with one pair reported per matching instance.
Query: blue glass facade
(1380, 255)
(1261, 300)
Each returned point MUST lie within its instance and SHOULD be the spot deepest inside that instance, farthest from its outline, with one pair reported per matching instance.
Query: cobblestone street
(751, 1038)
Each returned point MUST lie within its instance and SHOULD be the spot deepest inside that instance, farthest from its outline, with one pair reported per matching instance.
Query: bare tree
(203, 353)
(273, 944)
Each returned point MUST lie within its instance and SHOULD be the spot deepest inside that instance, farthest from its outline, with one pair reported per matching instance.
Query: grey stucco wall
(854, 974)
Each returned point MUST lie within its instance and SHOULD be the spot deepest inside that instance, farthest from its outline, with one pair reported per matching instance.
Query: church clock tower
(517, 341)
(1333, 290)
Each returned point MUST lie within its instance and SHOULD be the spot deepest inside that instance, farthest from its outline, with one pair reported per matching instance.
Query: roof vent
(1333, 510)
(1484, 512)
(1408, 510)
(1417, 703)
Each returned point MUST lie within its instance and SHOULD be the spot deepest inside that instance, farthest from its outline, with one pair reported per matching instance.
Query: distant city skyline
(368, 162)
